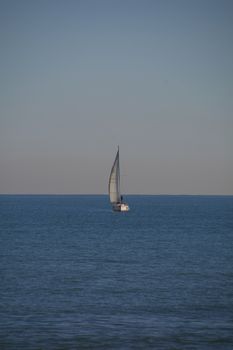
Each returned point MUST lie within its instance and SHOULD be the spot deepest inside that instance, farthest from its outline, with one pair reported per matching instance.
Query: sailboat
(115, 196)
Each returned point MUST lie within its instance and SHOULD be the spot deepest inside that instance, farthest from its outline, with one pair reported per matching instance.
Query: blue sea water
(75, 275)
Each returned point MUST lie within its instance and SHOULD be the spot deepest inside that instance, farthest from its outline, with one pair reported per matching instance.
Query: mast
(119, 177)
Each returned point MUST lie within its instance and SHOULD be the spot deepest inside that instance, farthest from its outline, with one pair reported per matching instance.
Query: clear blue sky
(80, 77)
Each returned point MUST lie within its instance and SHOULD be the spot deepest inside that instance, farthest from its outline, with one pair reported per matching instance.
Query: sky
(79, 78)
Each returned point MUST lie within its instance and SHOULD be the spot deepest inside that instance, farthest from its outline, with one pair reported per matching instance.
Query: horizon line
(106, 194)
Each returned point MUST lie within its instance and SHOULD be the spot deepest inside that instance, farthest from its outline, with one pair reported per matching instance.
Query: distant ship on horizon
(115, 196)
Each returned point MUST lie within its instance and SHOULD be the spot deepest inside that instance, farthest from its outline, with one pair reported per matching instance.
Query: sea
(76, 275)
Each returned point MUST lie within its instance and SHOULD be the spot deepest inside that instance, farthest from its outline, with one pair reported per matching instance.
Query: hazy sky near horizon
(80, 77)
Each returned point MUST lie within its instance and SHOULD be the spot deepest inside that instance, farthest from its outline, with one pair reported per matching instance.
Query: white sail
(114, 181)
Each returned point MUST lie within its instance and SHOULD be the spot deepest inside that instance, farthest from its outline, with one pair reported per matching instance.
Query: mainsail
(114, 181)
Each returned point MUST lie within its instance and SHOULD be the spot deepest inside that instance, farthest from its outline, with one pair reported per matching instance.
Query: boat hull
(120, 207)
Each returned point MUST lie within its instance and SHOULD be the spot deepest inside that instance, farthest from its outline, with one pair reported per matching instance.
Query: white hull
(120, 207)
